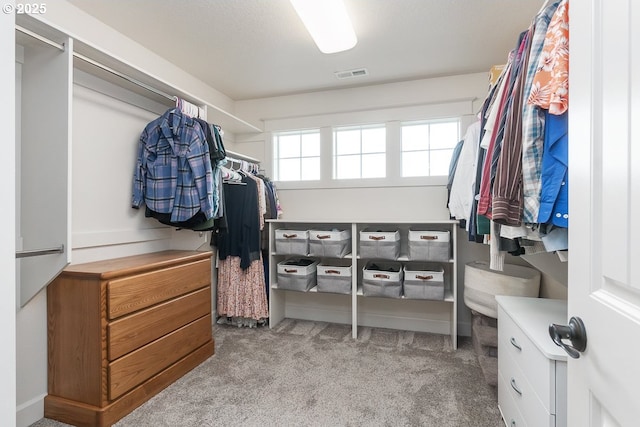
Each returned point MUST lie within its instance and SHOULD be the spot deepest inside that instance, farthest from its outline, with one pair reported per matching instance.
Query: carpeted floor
(314, 374)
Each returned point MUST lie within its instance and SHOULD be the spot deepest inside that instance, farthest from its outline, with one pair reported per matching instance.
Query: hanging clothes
(173, 170)
(533, 122)
(242, 282)
(521, 169)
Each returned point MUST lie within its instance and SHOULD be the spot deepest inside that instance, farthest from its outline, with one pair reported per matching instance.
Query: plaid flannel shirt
(173, 170)
(533, 123)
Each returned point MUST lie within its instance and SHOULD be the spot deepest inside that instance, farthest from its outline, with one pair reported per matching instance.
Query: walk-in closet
(217, 217)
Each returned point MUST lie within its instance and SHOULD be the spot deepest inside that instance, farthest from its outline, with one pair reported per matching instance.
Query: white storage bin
(329, 243)
(335, 277)
(297, 274)
(382, 279)
(292, 242)
(423, 280)
(379, 243)
(425, 245)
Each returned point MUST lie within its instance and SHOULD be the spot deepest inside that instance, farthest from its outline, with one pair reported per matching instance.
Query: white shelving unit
(437, 316)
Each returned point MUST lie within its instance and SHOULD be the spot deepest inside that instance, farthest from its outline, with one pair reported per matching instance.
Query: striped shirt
(507, 188)
(173, 170)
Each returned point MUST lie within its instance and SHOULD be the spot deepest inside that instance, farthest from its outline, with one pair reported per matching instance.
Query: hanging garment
(241, 237)
(507, 203)
(554, 199)
(461, 195)
(550, 89)
(241, 291)
(173, 172)
(533, 122)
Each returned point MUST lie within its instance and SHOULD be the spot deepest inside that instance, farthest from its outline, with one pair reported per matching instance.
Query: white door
(604, 166)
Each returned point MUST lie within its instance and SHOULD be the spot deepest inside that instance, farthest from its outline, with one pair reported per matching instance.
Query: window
(297, 155)
(359, 152)
(427, 147)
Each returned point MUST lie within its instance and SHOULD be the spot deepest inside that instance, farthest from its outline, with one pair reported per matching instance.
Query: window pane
(415, 137)
(444, 135)
(289, 170)
(310, 144)
(289, 146)
(310, 168)
(440, 160)
(374, 140)
(415, 163)
(347, 141)
(374, 166)
(347, 167)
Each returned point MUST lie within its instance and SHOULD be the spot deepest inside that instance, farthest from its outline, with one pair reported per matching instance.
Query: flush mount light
(328, 23)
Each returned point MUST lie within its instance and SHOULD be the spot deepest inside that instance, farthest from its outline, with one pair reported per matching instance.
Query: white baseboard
(30, 411)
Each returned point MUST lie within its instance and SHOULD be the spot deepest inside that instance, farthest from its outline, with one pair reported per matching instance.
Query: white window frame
(428, 150)
(276, 155)
(335, 156)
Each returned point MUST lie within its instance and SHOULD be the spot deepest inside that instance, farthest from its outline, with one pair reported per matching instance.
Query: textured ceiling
(257, 48)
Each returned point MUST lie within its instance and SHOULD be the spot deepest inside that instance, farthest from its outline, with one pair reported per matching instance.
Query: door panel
(604, 258)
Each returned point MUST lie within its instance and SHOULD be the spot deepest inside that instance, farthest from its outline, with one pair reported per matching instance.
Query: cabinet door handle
(515, 343)
(513, 423)
(515, 386)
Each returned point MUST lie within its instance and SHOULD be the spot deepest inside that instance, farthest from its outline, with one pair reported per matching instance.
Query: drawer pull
(513, 423)
(515, 343)
(515, 386)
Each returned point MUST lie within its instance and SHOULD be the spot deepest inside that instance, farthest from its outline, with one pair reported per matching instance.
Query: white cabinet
(356, 309)
(532, 370)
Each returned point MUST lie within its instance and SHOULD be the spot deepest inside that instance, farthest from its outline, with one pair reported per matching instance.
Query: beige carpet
(314, 374)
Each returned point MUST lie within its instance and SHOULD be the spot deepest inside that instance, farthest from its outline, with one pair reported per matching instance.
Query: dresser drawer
(516, 386)
(507, 405)
(131, 332)
(512, 341)
(140, 365)
(134, 293)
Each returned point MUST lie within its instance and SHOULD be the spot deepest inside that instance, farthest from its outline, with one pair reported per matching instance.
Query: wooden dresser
(121, 330)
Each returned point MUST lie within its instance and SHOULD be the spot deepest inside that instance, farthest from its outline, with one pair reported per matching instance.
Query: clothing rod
(241, 157)
(97, 64)
(124, 77)
(39, 37)
(39, 252)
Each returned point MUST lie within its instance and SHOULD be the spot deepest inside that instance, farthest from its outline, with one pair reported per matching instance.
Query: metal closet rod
(97, 64)
(39, 252)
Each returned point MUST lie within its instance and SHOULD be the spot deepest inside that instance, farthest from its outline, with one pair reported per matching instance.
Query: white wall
(419, 99)
(7, 217)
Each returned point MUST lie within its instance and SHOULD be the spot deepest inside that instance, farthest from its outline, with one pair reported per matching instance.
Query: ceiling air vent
(359, 72)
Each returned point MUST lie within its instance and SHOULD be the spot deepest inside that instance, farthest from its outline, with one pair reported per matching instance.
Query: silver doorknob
(574, 332)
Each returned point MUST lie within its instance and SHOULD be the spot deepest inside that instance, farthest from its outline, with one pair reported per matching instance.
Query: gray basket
(334, 278)
(330, 244)
(296, 275)
(292, 242)
(379, 244)
(382, 279)
(429, 245)
(423, 281)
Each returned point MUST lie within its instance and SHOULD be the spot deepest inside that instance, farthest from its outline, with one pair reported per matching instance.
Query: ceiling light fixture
(328, 23)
